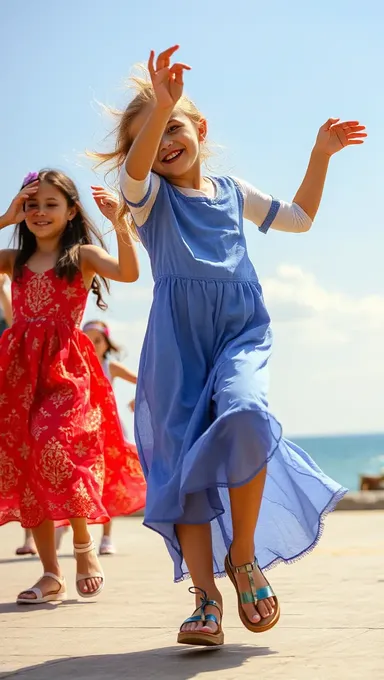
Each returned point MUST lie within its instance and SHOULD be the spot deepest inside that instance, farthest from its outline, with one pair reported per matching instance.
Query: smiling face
(178, 155)
(48, 213)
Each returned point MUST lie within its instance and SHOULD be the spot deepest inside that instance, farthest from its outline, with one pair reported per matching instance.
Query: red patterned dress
(62, 452)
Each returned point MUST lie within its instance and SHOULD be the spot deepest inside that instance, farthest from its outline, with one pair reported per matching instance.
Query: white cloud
(294, 296)
(327, 369)
(327, 374)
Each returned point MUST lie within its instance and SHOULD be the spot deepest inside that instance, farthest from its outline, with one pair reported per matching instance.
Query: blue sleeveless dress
(202, 422)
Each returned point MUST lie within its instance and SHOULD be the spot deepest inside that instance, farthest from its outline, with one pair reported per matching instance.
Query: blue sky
(266, 75)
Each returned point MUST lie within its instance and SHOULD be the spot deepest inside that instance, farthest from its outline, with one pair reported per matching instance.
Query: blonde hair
(144, 95)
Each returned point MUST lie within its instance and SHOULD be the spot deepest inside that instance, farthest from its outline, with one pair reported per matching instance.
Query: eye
(173, 128)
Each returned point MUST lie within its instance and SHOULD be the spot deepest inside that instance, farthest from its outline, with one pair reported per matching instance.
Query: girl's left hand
(107, 202)
(335, 135)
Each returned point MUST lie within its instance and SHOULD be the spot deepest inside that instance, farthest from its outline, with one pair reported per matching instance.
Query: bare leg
(44, 536)
(107, 529)
(28, 547)
(196, 544)
(106, 545)
(245, 507)
(86, 562)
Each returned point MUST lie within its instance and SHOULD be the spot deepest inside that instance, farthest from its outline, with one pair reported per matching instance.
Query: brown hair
(103, 328)
(79, 231)
(123, 141)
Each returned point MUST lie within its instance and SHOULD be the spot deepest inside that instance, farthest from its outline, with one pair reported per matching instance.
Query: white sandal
(106, 546)
(80, 549)
(52, 596)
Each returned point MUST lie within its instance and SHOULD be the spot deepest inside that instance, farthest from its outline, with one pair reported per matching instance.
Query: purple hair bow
(31, 177)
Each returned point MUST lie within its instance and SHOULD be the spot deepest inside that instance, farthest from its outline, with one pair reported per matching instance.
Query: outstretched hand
(335, 135)
(167, 80)
(107, 202)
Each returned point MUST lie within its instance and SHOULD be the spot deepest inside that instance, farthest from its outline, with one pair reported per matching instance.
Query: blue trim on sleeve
(272, 212)
(143, 200)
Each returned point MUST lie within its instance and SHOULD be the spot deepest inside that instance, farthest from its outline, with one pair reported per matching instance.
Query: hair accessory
(31, 177)
(95, 326)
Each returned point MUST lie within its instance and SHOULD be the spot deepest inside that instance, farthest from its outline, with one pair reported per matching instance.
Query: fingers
(176, 72)
(163, 61)
(350, 142)
(101, 192)
(350, 132)
(164, 58)
(151, 67)
(329, 123)
(28, 191)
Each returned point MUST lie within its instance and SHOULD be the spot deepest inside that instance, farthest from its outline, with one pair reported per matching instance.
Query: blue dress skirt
(202, 423)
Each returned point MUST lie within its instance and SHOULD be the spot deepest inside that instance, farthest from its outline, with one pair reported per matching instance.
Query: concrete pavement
(332, 623)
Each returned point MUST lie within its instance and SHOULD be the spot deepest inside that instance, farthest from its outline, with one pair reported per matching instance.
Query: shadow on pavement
(164, 663)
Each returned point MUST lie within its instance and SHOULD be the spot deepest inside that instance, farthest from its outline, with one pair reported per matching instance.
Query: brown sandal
(252, 596)
(198, 637)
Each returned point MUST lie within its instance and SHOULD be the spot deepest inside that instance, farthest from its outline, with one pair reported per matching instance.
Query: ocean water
(345, 458)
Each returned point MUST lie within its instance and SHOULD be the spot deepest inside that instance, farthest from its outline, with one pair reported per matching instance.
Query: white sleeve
(139, 195)
(267, 212)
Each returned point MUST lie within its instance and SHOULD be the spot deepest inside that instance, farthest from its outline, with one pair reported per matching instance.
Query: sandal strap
(253, 595)
(264, 593)
(84, 547)
(202, 616)
(60, 579)
(93, 574)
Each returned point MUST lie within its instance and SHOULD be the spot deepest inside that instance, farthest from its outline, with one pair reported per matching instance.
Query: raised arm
(333, 136)
(14, 215)
(148, 126)
(118, 370)
(95, 260)
(297, 216)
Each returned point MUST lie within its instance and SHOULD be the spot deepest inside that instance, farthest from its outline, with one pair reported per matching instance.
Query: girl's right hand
(167, 80)
(15, 212)
(3, 281)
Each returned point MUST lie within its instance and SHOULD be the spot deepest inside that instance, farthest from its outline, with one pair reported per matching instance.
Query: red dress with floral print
(62, 451)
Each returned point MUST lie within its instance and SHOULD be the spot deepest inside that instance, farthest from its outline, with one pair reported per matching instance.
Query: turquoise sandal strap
(253, 595)
(202, 616)
(261, 594)
(212, 617)
(193, 619)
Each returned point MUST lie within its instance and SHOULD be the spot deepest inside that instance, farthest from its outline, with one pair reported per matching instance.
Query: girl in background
(98, 332)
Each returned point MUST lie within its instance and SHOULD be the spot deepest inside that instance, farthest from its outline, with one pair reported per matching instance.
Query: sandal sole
(43, 600)
(201, 639)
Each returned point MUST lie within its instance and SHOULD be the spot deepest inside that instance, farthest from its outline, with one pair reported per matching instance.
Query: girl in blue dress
(223, 484)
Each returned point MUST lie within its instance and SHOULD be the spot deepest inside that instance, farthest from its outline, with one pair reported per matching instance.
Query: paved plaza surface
(332, 623)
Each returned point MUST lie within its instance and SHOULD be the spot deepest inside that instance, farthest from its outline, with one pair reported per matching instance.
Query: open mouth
(42, 223)
(173, 156)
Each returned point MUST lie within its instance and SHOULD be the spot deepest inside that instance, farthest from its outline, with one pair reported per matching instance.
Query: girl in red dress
(57, 410)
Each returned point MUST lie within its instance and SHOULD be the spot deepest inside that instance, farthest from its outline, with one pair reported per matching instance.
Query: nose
(166, 142)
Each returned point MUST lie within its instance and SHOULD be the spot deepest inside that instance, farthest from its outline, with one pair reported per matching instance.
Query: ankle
(52, 567)
(212, 594)
(242, 552)
(81, 540)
